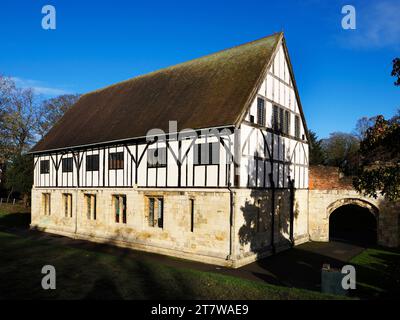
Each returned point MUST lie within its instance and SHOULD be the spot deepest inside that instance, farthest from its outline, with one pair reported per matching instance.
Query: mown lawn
(89, 274)
(378, 273)
(14, 216)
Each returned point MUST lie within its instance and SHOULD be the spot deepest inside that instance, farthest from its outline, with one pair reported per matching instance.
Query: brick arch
(355, 201)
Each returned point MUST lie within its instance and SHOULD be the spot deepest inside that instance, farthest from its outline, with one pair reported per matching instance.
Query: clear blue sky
(342, 75)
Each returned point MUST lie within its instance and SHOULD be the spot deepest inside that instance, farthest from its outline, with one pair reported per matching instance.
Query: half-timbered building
(206, 160)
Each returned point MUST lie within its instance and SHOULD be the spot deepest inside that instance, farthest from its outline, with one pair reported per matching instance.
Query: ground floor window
(67, 200)
(46, 204)
(119, 203)
(191, 204)
(90, 201)
(156, 212)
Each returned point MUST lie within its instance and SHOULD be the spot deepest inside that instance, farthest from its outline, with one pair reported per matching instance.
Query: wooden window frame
(297, 126)
(91, 163)
(156, 205)
(116, 200)
(191, 205)
(287, 122)
(67, 201)
(209, 156)
(44, 166)
(46, 203)
(91, 210)
(118, 162)
(67, 165)
(261, 111)
(157, 163)
(275, 117)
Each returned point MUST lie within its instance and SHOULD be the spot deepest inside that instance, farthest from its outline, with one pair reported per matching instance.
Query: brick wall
(327, 178)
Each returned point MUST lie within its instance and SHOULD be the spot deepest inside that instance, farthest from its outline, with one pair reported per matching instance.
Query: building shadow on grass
(104, 289)
(16, 220)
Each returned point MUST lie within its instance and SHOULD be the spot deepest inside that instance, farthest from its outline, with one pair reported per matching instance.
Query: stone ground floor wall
(212, 240)
(253, 223)
(323, 202)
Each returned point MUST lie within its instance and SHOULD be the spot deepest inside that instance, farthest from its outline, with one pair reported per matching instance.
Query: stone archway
(353, 220)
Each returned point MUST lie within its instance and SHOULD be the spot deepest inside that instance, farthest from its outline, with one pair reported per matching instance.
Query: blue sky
(342, 75)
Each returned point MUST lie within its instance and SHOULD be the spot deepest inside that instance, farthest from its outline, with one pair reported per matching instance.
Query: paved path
(298, 267)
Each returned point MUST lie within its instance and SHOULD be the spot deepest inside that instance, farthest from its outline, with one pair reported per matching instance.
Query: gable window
(251, 118)
(46, 203)
(157, 157)
(297, 127)
(206, 153)
(67, 199)
(281, 120)
(44, 166)
(67, 165)
(156, 212)
(119, 204)
(116, 160)
(261, 112)
(90, 201)
(275, 118)
(286, 123)
(92, 162)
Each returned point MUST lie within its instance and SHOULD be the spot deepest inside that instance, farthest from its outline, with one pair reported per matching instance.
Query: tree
(341, 150)
(379, 171)
(53, 109)
(18, 118)
(316, 153)
(19, 175)
(396, 71)
(22, 120)
(362, 125)
(380, 160)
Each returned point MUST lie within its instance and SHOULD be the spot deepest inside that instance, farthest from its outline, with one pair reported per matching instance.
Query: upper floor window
(157, 157)
(261, 111)
(297, 127)
(281, 120)
(92, 162)
(44, 166)
(286, 123)
(116, 160)
(275, 118)
(206, 153)
(67, 165)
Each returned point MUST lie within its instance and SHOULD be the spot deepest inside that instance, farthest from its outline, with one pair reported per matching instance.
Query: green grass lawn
(90, 274)
(14, 216)
(378, 273)
(87, 273)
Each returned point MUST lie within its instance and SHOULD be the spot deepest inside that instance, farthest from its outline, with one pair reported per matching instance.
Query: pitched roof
(210, 91)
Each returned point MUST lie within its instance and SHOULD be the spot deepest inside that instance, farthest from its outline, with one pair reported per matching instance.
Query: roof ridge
(180, 64)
